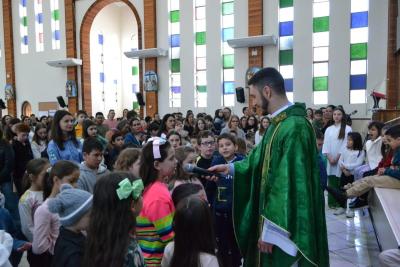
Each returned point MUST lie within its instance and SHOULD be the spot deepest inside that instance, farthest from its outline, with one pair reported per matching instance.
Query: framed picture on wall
(150, 81)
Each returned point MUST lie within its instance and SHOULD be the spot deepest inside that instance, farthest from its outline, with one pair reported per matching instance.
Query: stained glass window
(23, 27)
(200, 90)
(358, 51)
(286, 19)
(101, 69)
(55, 24)
(38, 6)
(320, 51)
(228, 57)
(174, 54)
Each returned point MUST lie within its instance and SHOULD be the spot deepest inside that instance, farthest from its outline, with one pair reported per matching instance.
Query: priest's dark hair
(269, 77)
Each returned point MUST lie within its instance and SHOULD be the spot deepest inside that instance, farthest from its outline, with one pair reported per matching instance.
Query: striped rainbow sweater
(154, 223)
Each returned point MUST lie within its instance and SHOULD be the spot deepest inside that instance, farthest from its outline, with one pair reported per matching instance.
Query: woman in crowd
(264, 124)
(167, 125)
(233, 126)
(40, 141)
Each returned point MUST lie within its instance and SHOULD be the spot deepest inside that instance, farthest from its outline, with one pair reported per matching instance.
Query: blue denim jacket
(71, 152)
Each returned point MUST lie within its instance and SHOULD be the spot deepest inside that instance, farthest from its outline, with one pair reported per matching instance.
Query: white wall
(214, 57)
(35, 80)
(2, 58)
(119, 27)
(339, 50)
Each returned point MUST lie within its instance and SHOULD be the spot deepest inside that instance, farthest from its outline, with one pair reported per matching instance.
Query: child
(154, 223)
(22, 153)
(117, 200)
(386, 177)
(183, 191)
(113, 149)
(33, 197)
(228, 248)
(206, 146)
(92, 167)
(90, 130)
(174, 138)
(73, 207)
(184, 155)
(335, 142)
(128, 161)
(264, 124)
(81, 115)
(318, 122)
(319, 136)
(47, 224)
(373, 149)
(40, 142)
(350, 158)
(194, 243)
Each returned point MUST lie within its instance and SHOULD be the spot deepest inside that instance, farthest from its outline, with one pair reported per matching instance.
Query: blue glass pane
(23, 3)
(57, 35)
(101, 39)
(25, 40)
(358, 82)
(102, 77)
(286, 28)
(289, 85)
(115, 81)
(359, 19)
(176, 89)
(227, 34)
(39, 18)
(229, 88)
(175, 40)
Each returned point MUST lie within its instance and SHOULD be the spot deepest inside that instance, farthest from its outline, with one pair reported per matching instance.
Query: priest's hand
(265, 247)
(222, 168)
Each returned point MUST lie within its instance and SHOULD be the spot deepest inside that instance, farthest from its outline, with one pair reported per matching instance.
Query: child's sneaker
(349, 213)
(339, 211)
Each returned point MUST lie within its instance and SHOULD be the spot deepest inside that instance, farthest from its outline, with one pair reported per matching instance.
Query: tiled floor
(351, 241)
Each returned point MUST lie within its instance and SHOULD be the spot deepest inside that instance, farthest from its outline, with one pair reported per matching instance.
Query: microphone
(191, 168)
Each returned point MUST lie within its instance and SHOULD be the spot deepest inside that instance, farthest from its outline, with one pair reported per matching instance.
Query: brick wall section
(150, 41)
(9, 53)
(94, 9)
(256, 56)
(393, 59)
(70, 34)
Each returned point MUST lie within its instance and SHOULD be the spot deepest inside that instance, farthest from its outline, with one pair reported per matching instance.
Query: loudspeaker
(61, 102)
(2, 104)
(240, 95)
(140, 100)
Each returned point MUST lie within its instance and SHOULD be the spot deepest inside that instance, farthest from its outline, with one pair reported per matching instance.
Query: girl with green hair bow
(117, 200)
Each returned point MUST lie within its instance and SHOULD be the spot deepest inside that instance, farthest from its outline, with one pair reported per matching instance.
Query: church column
(70, 32)
(150, 41)
(9, 54)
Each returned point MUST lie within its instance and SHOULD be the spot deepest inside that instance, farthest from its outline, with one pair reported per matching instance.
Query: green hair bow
(126, 188)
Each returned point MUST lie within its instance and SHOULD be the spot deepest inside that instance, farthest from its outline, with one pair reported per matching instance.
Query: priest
(278, 204)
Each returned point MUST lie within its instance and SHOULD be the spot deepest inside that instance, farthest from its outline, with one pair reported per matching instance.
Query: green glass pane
(358, 51)
(175, 65)
(201, 88)
(229, 61)
(200, 38)
(174, 16)
(135, 70)
(285, 3)
(227, 8)
(56, 14)
(286, 57)
(135, 105)
(321, 24)
(320, 83)
(25, 21)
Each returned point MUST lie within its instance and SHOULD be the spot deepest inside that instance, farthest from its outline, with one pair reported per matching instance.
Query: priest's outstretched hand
(222, 168)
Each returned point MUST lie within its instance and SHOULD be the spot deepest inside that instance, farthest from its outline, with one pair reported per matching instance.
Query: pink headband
(157, 142)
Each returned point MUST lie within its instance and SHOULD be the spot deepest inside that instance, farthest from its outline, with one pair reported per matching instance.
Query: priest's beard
(264, 106)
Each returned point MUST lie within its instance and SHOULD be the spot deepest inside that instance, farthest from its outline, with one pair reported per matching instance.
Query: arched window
(26, 109)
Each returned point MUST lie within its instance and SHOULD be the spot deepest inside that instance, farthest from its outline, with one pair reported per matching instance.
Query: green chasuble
(279, 181)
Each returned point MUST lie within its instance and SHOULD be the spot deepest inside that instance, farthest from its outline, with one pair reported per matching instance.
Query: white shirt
(351, 159)
(334, 146)
(374, 153)
(206, 260)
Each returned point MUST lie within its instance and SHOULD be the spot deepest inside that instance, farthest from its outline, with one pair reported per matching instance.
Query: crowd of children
(82, 203)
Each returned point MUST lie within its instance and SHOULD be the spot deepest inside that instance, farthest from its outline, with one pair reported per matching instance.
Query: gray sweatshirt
(88, 177)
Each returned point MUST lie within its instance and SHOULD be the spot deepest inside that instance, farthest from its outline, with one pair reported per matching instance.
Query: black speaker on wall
(61, 102)
(140, 100)
(240, 95)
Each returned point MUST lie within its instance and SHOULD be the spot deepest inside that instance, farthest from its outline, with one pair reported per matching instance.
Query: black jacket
(69, 249)
(6, 162)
